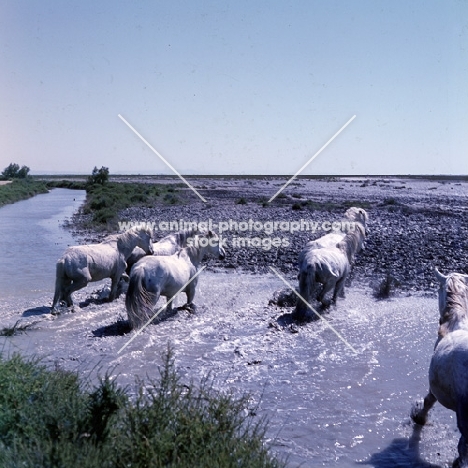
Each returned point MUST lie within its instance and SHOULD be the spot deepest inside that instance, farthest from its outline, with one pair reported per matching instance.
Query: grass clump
(263, 201)
(104, 201)
(16, 329)
(385, 288)
(50, 418)
(21, 189)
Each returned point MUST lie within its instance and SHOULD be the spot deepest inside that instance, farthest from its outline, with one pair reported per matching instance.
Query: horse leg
(114, 288)
(75, 285)
(462, 423)
(170, 306)
(418, 414)
(66, 295)
(339, 289)
(61, 282)
(60, 292)
(307, 291)
(190, 292)
(327, 287)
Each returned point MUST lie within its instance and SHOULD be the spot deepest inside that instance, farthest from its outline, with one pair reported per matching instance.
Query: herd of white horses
(165, 267)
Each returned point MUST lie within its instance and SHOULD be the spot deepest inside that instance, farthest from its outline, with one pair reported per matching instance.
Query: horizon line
(271, 176)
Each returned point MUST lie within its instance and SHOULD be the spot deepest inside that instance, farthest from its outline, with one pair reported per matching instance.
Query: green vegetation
(99, 176)
(13, 171)
(50, 418)
(386, 287)
(104, 201)
(67, 183)
(21, 189)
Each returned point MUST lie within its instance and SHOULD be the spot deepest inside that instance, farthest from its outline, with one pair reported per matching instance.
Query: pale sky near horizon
(235, 87)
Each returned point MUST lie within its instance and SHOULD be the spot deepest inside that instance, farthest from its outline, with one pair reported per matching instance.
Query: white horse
(153, 277)
(329, 267)
(448, 376)
(168, 245)
(352, 215)
(82, 264)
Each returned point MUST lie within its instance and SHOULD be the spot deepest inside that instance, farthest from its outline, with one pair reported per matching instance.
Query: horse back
(327, 241)
(168, 272)
(326, 262)
(98, 260)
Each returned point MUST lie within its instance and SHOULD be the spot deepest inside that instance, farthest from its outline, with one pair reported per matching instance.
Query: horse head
(357, 214)
(353, 242)
(453, 297)
(144, 240)
(216, 243)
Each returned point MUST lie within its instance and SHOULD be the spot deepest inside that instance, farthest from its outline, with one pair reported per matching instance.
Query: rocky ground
(415, 224)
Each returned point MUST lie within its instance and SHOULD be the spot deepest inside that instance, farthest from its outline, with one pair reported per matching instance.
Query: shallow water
(327, 406)
(33, 238)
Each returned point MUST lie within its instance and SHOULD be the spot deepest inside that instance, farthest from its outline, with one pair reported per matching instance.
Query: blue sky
(235, 87)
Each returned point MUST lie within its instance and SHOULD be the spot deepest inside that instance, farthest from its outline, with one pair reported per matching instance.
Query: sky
(235, 87)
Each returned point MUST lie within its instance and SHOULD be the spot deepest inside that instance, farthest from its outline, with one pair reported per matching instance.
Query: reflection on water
(32, 241)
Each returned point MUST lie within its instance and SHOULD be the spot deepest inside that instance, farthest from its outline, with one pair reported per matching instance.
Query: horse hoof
(191, 308)
(416, 415)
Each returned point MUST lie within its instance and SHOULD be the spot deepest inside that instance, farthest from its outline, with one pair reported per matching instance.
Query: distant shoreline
(117, 177)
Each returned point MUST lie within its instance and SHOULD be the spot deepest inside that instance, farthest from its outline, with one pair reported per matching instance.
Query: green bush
(13, 171)
(50, 418)
(69, 184)
(98, 176)
(20, 189)
(104, 201)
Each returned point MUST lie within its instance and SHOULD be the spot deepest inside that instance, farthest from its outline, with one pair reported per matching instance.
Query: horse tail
(59, 282)
(136, 255)
(311, 281)
(306, 290)
(139, 301)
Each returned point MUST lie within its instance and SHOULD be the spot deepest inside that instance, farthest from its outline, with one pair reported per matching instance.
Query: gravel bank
(415, 224)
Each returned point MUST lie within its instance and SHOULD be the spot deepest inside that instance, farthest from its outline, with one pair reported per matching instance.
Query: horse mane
(184, 234)
(110, 238)
(352, 241)
(124, 237)
(456, 307)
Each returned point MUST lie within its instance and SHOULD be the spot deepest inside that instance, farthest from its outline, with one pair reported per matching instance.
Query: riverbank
(415, 223)
(20, 189)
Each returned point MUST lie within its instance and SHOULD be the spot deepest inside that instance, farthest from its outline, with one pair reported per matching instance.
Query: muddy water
(327, 405)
